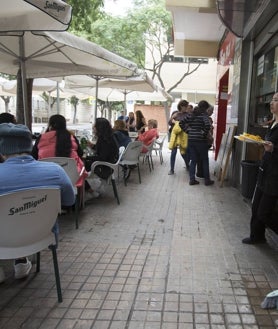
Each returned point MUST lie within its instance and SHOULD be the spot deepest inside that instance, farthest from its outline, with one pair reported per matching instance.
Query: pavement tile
(167, 257)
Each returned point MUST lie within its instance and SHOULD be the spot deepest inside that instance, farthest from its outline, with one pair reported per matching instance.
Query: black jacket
(268, 179)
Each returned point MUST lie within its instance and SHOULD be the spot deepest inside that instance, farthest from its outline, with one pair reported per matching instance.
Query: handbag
(209, 138)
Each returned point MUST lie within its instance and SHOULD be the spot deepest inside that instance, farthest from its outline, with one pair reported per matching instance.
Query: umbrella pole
(96, 96)
(125, 93)
(23, 81)
(49, 104)
(58, 98)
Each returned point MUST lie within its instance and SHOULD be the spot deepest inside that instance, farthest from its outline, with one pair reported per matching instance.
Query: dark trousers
(198, 151)
(263, 206)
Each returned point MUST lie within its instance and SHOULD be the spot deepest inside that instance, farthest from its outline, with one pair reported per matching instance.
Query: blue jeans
(173, 158)
(198, 152)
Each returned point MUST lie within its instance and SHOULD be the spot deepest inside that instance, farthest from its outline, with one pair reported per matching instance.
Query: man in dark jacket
(266, 192)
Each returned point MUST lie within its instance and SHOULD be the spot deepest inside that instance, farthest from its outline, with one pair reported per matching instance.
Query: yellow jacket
(178, 138)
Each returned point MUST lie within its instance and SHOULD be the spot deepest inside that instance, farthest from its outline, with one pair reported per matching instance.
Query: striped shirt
(197, 127)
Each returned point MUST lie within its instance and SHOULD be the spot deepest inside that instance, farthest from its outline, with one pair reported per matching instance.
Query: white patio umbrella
(133, 88)
(142, 82)
(109, 94)
(56, 54)
(39, 85)
(31, 15)
(34, 15)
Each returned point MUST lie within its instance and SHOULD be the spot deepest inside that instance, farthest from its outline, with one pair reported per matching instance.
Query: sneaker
(22, 269)
(194, 182)
(101, 190)
(171, 172)
(2, 275)
(90, 195)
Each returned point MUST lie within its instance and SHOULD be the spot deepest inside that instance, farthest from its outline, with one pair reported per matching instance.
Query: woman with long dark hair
(141, 122)
(105, 149)
(57, 141)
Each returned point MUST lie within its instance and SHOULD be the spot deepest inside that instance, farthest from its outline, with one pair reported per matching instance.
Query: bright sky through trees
(117, 7)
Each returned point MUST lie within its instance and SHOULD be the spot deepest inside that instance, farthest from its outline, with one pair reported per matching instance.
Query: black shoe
(171, 172)
(209, 182)
(253, 241)
(194, 182)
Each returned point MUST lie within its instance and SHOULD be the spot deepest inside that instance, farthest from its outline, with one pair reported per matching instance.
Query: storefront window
(266, 84)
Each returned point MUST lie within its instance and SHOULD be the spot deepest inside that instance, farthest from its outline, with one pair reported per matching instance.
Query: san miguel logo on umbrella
(54, 5)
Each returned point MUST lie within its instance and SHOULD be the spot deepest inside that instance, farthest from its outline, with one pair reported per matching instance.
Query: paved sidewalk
(168, 257)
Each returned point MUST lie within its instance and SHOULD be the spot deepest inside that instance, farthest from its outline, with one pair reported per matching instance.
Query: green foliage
(127, 36)
(74, 100)
(84, 12)
(7, 76)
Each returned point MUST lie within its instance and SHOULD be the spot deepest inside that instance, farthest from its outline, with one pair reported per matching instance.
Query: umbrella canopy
(108, 94)
(39, 85)
(3, 92)
(56, 54)
(34, 15)
(133, 88)
(142, 82)
(119, 87)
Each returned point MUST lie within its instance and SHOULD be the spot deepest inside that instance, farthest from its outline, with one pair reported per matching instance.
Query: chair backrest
(68, 164)
(27, 218)
(160, 141)
(149, 147)
(111, 165)
(133, 134)
(132, 151)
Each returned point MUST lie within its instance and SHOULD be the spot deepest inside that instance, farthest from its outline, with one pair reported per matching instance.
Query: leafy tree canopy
(127, 36)
(84, 12)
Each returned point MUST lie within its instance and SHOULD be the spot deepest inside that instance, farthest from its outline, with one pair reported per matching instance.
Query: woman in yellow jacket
(178, 138)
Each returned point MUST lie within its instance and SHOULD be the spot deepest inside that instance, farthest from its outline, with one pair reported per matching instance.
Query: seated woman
(148, 136)
(57, 141)
(121, 133)
(105, 149)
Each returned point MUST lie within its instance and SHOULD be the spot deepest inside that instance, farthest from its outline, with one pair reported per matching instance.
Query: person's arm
(79, 149)
(207, 125)
(144, 125)
(35, 150)
(102, 153)
(184, 124)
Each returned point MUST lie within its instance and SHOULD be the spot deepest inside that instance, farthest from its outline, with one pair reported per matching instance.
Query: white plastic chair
(158, 146)
(26, 222)
(114, 167)
(69, 165)
(133, 135)
(148, 155)
(131, 157)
